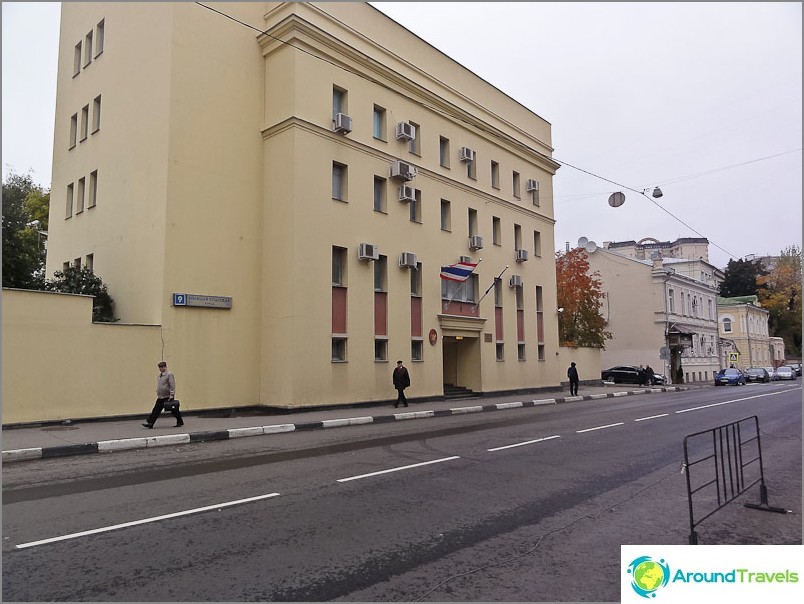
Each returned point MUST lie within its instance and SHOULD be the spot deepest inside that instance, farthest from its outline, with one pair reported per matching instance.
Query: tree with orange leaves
(579, 294)
(779, 292)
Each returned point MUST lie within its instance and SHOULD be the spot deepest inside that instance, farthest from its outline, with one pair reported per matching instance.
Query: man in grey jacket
(165, 391)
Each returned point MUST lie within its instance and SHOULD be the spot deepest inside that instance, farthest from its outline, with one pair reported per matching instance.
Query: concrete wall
(587, 362)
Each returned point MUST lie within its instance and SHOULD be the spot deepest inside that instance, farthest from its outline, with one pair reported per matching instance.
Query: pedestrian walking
(649, 373)
(641, 375)
(401, 381)
(572, 374)
(165, 392)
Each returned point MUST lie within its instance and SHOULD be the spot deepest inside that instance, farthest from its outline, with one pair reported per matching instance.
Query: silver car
(772, 373)
(785, 373)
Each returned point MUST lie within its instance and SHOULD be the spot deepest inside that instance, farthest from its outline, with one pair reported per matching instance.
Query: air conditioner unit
(407, 193)
(521, 255)
(405, 131)
(465, 260)
(343, 123)
(515, 281)
(368, 251)
(476, 242)
(467, 154)
(403, 170)
(531, 185)
(407, 260)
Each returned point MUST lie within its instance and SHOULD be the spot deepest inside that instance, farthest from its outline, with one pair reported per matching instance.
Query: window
(88, 49)
(534, 194)
(77, 60)
(472, 222)
(65, 266)
(416, 350)
(338, 350)
(338, 266)
(520, 352)
(416, 281)
(338, 101)
(726, 325)
(541, 351)
(69, 208)
(380, 349)
(96, 114)
(683, 304)
(90, 263)
(381, 274)
(496, 231)
(378, 123)
(500, 351)
(471, 168)
(379, 194)
(84, 122)
(517, 237)
(73, 130)
(498, 289)
(516, 185)
(460, 291)
(537, 243)
(671, 300)
(443, 151)
(80, 196)
(709, 304)
(416, 207)
(339, 184)
(99, 35)
(520, 304)
(414, 144)
(93, 189)
(446, 215)
(77, 263)
(495, 175)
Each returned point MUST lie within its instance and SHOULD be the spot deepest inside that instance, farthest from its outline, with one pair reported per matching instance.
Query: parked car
(786, 373)
(628, 374)
(757, 374)
(733, 377)
(772, 373)
(795, 367)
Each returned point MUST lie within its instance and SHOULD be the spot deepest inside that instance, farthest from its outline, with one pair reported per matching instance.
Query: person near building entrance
(165, 391)
(572, 374)
(401, 381)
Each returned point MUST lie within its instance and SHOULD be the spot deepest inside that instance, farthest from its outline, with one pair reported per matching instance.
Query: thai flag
(457, 272)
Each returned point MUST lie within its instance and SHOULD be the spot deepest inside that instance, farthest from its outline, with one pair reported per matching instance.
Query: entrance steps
(452, 392)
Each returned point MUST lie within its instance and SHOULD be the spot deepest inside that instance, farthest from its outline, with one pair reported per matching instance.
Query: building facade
(743, 327)
(280, 204)
(662, 311)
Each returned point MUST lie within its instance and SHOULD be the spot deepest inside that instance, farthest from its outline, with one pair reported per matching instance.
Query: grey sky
(642, 94)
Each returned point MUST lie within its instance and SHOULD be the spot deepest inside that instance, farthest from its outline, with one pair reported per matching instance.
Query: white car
(785, 373)
(772, 373)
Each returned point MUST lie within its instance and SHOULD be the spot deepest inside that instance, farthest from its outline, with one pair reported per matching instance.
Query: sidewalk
(84, 437)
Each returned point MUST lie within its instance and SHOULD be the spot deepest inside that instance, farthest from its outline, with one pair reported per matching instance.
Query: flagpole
(460, 287)
(497, 278)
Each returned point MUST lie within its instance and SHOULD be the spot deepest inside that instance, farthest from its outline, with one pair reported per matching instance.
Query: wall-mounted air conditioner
(521, 255)
(368, 251)
(467, 154)
(403, 170)
(531, 185)
(476, 242)
(515, 281)
(342, 123)
(407, 193)
(405, 131)
(407, 260)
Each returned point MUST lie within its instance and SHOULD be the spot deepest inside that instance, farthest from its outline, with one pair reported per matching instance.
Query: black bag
(172, 405)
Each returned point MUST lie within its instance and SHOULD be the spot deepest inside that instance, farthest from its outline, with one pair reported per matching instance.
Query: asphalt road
(516, 506)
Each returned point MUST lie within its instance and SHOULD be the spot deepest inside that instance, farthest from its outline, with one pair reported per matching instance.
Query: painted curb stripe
(66, 450)
(211, 435)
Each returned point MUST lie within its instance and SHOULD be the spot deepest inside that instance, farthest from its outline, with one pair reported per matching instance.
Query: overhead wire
(490, 132)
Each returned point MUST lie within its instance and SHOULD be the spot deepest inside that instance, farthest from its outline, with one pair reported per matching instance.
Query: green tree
(579, 294)
(74, 280)
(741, 278)
(24, 203)
(780, 294)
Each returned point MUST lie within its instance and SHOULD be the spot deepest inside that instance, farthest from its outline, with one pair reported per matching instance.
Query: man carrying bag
(165, 397)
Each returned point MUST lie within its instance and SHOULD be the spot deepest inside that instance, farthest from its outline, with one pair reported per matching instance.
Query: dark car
(627, 374)
(734, 377)
(757, 374)
(795, 367)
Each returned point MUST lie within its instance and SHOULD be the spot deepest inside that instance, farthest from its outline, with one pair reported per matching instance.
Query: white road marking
(415, 465)
(737, 400)
(529, 442)
(599, 428)
(642, 419)
(145, 521)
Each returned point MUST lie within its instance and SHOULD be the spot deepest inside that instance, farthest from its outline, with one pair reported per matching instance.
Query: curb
(215, 435)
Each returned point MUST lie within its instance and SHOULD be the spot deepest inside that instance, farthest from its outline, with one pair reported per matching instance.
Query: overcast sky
(701, 99)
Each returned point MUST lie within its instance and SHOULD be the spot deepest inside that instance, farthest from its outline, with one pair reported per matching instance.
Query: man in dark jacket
(401, 381)
(572, 374)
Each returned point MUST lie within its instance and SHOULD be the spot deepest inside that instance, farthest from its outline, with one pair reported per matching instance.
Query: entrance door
(461, 359)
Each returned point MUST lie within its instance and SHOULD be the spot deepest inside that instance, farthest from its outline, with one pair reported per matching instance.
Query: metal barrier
(732, 453)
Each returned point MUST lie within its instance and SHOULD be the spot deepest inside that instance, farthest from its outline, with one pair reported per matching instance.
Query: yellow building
(280, 204)
(743, 328)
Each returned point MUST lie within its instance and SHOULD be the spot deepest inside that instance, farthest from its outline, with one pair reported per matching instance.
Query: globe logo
(648, 575)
